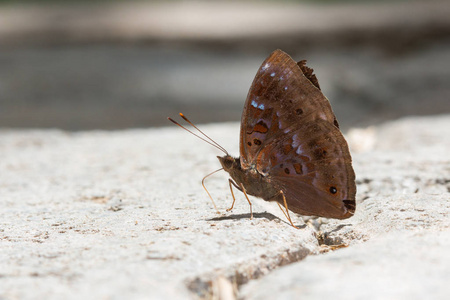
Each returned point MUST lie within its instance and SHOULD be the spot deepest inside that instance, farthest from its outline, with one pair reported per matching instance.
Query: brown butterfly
(291, 148)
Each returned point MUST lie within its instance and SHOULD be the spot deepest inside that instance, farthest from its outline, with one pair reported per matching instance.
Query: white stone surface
(396, 266)
(400, 235)
(123, 215)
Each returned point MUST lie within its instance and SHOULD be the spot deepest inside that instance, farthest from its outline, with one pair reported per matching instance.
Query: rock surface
(122, 214)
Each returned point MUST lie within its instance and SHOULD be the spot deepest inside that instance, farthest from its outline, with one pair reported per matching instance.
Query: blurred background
(82, 65)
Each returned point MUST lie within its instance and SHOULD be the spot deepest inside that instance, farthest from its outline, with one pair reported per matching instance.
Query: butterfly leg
(286, 214)
(282, 210)
(242, 189)
(232, 194)
(250, 203)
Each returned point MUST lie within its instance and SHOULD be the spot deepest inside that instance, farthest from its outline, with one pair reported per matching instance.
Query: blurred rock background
(119, 64)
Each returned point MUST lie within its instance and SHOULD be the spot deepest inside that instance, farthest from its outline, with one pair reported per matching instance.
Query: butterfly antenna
(204, 134)
(214, 145)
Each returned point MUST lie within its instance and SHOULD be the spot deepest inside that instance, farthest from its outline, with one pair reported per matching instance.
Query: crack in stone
(203, 285)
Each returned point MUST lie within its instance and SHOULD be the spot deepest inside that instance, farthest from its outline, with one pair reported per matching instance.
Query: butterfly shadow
(339, 227)
(263, 215)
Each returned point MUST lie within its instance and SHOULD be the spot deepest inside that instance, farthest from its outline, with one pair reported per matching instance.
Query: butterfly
(291, 148)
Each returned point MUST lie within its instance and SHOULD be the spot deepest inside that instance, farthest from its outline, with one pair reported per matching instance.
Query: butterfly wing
(290, 134)
(280, 97)
(313, 167)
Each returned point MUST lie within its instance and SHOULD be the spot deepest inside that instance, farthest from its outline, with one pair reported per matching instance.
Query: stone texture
(122, 214)
(395, 266)
(103, 214)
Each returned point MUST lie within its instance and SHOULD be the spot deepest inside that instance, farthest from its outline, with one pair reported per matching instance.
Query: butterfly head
(228, 162)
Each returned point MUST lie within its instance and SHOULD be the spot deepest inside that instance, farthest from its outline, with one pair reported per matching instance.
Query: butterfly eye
(228, 163)
(333, 190)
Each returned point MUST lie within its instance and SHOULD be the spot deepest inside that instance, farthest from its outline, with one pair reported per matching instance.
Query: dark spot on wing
(287, 148)
(256, 142)
(320, 154)
(260, 127)
(298, 168)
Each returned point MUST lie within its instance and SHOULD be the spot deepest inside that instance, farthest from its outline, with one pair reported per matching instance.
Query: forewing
(280, 98)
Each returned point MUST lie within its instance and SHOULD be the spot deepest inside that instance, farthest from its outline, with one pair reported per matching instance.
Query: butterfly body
(291, 145)
(255, 183)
